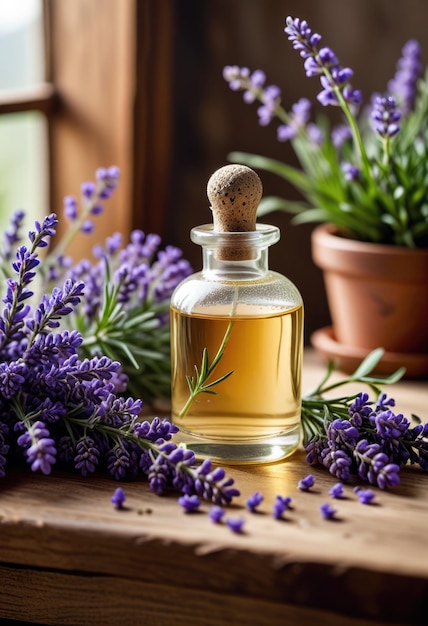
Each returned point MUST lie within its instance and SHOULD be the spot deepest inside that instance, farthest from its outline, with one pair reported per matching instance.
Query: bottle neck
(235, 255)
(243, 269)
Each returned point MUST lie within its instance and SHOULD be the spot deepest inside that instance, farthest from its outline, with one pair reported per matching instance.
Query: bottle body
(255, 318)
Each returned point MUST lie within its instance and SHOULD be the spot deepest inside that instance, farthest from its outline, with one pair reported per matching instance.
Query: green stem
(386, 150)
(358, 140)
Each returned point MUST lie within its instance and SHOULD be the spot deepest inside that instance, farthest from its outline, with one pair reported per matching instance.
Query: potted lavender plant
(366, 182)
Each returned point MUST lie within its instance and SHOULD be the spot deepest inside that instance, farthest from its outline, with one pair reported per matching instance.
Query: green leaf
(291, 174)
(268, 204)
(205, 364)
(218, 380)
(368, 364)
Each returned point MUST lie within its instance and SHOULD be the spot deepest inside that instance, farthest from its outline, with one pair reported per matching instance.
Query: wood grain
(91, 62)
(77, 560)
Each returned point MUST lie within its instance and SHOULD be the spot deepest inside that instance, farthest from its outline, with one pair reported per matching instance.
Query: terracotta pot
(377, 294)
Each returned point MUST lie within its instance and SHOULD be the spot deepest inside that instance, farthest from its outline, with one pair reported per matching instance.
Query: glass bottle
(247, 321)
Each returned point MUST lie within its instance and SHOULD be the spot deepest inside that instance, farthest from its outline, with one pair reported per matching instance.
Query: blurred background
(138, 84)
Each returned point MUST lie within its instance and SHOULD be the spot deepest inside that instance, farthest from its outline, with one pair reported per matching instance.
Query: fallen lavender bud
(254, 501)
(216, 514)
(189, 503)
(365, 496)
(327, 511)
(236, 524)
(281, 504)
(118, 498)
(336, 491)
(306, 483)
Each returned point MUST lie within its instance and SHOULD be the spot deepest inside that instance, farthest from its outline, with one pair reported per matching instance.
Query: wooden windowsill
(68, 557)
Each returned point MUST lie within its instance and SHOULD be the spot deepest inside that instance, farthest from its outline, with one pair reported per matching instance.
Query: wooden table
(68, 557)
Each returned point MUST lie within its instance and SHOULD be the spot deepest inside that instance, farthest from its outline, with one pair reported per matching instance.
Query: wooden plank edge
(58, 599)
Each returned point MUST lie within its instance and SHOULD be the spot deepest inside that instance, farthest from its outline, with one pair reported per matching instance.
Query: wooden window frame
(107, 101)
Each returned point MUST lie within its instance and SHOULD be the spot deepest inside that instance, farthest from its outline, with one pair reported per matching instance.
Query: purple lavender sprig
(353, 435)
(17, 291)
(322, 62)
(385, 116)
(11, 237)
(80, 215)
(293, 123)
(403, 86)
(38, 445)
(335, 80)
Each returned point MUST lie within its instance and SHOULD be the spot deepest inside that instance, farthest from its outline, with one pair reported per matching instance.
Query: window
(101, 97)
(23, 97)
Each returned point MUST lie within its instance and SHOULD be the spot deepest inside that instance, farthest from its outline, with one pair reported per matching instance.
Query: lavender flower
(26, 261)
(327, 511)
(385, 116)
(389, 425)
(12, 378)
(298, 118)
(350, 171)
(43, 230)
(254, 501)
(189, 503)
(306, 483)
(338, 462)
(366, 496)
(87, 456)
(70, 207)
(315, 134)
(118, 498)
(87, 227)
(322, 62)
(156, 430)
(11, 235)
(120, 462)
(107, 179)
(359, 409)
(216, 514)
(39, 447)
(281, 504)
(341, 431)
(340, 135)
(236, 524)
(159, 475)
(403, 85)
(375, 466)
(56, 306)
(270, 97)
(212, 484)
(336, 491)
(240, 78)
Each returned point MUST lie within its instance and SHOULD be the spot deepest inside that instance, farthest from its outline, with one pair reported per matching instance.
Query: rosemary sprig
(134, 336)
(199, 383)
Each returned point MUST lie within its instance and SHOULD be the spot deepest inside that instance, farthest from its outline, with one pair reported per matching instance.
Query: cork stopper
(234, 192)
